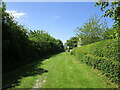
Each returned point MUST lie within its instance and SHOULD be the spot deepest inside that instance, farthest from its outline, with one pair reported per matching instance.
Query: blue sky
(60, 19)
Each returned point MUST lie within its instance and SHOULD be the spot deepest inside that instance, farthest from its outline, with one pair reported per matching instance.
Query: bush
(101, 55)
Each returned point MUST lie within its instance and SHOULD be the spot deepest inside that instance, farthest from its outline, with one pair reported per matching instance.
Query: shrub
(103, 55)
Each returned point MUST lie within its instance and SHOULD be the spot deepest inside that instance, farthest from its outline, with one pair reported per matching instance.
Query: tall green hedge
(103, 55)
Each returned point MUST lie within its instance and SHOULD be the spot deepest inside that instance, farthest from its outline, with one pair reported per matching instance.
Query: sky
(59, 19)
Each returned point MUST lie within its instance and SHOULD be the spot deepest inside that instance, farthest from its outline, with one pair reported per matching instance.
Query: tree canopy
(112, 9)
(20, 45)
(92, 30)
(71, 43)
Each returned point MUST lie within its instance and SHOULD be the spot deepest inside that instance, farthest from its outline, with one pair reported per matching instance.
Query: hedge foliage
(21, 46)
(103, 55)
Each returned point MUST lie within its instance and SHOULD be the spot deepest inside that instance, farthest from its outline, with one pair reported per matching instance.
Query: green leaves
(19, 45)
(92, 31)
(72, 42)
(113, 10)
(45, 42)
(103, 55)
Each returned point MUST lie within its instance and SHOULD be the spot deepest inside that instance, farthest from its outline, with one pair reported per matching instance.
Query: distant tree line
(21, 46)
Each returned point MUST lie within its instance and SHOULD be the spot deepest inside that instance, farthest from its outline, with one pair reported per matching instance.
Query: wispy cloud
(16, 14)
(57, 17)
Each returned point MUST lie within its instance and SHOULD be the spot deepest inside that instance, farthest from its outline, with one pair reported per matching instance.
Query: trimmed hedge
(103, 55)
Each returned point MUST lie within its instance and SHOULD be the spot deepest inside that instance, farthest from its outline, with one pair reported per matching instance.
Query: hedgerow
(103, 55)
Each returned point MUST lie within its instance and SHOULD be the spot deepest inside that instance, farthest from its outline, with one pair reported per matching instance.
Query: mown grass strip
(62, 71)
(65, 71)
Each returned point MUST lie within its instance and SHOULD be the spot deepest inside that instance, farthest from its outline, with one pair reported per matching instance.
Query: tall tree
(112, 9)
(92, 30)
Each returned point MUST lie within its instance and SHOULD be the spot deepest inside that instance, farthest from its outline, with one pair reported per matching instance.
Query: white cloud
(16, 14)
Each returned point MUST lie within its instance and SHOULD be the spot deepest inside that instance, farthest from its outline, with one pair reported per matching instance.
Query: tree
(43, 42)
(19, 46)
(60, 44)
(15, 42)
(92, 31)
(112, 9)
(72, 42)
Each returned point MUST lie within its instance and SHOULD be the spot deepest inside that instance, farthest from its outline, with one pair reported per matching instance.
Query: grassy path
(65, 71)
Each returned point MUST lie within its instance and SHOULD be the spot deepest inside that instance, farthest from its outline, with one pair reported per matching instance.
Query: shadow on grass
(12, 78)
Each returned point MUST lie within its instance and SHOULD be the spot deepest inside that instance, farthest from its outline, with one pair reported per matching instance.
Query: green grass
(24, 76)
(64, 71)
